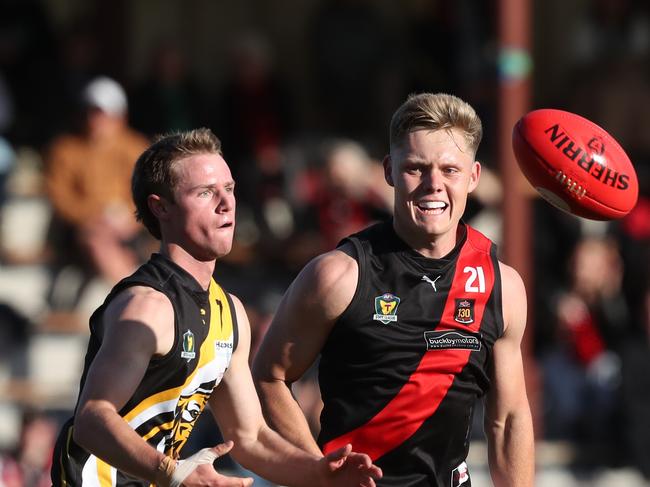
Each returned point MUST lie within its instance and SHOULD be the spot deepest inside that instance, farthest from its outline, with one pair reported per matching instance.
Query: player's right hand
(206, 476)
(345, 467)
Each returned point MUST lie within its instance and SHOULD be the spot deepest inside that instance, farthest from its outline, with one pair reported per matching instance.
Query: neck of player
(199, 269)
(430, 246)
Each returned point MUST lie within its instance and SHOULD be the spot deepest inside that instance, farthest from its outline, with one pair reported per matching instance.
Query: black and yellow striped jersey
(175, 387)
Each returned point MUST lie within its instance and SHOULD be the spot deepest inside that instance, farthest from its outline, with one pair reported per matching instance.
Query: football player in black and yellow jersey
(414, 320)
(169, 340)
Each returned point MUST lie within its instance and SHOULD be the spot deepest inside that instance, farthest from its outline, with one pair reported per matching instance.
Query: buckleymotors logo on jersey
(459, 475)
(464, 311)
(452, 340)
(188, 346)
(386, 308)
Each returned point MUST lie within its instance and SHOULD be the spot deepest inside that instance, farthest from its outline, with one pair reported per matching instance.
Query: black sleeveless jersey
(175, 387)
(406, 361)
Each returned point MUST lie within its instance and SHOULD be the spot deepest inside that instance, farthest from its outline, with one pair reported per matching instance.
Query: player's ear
(158, 206)
(474, 176)
(388, 170)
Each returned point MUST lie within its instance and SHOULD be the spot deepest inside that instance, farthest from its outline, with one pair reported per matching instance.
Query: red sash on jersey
(428, 385)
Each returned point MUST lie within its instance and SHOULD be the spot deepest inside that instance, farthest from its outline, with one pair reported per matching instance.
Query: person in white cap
(106, 95)
(88, 182)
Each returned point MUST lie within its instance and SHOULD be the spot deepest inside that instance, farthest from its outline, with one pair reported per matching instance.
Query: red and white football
(575, 165)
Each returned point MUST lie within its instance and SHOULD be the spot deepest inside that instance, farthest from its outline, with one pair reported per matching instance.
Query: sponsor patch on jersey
(386, 308)
(459, 475)
(188, 346)
(452, 340)
(464, 311)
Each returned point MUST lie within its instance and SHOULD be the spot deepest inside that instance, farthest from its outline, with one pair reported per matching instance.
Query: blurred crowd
(71, 128)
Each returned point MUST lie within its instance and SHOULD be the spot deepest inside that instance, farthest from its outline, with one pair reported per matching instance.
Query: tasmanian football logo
(188, 346)
(386, 308)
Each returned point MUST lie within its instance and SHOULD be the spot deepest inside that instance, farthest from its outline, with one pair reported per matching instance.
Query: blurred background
(301, 94)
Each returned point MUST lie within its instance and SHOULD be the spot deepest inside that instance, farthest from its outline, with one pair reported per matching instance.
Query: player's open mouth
(432, 207)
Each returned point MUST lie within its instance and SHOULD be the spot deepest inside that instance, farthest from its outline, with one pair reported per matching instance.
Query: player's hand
(205, 475)
(348, 468)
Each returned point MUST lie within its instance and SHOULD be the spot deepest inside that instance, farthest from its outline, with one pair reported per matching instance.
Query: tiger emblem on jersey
(187, 411)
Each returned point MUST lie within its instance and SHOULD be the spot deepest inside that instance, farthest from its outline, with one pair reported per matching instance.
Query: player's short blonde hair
(439, 111)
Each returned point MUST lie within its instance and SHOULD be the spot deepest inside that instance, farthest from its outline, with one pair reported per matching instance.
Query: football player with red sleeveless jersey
(414, 320)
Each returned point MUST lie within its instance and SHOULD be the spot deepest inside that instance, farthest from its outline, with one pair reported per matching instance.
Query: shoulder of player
(141, 304)
(509, 276)
(325, 286)
(333, 270)
(238, 308)
(513, 298)
(239, 311)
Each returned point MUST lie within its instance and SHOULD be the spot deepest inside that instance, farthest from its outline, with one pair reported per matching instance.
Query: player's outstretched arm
(137, 325)
(309, 309)
(257, 447)
(508, 422)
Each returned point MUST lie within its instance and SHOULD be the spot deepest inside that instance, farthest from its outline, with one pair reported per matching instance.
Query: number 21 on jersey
(475, 274)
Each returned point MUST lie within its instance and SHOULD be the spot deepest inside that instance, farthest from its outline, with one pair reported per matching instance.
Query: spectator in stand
(88, 181)
(29, 465)
(582, 373)
(342, 195)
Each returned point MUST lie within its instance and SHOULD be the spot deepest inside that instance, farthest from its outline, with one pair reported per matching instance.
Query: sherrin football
(575, 165)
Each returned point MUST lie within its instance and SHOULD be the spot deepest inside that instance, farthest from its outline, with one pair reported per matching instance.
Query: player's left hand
(348, 468)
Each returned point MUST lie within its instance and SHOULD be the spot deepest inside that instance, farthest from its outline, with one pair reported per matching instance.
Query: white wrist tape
(187, 466)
